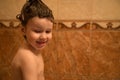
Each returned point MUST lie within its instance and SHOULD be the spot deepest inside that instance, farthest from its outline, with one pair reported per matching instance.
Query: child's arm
(29, 68)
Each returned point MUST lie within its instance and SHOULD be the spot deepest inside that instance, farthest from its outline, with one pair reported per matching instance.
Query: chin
(40, 48)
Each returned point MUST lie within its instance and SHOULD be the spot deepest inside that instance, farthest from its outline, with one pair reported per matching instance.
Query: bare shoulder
(27, 63)
(23, 57)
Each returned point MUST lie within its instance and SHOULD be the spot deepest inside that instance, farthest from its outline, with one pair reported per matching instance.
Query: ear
(23, 29)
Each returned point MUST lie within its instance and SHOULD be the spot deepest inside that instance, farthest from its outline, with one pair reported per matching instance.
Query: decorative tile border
(90, 24)
(73, 24)
(9, 24)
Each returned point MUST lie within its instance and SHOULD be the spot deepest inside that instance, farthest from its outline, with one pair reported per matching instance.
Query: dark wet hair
(33, 8)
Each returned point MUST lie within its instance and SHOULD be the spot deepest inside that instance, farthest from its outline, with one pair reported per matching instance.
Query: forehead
(39, 22)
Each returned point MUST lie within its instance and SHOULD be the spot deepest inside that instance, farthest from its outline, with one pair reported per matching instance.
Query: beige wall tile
(106, 9)
(68, 9)
(74, 9)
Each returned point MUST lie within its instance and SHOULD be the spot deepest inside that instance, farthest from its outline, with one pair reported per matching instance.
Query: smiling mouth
(41, 43)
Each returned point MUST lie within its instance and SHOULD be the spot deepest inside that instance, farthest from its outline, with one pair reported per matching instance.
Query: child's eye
(38, 31)
(48, 31)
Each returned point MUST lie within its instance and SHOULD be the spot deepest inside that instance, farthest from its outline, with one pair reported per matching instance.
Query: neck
(32, 49)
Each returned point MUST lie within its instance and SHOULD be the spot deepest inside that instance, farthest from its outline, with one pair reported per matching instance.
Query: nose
(43, 35)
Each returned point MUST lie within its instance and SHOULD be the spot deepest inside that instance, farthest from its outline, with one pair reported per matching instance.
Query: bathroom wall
(85, 44)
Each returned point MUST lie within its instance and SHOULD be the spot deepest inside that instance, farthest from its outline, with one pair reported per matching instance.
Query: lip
(41, 43)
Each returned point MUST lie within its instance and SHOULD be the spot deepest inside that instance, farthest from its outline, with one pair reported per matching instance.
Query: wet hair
(33, 8)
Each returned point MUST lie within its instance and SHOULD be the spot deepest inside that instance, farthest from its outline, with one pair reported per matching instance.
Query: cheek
(32, 36)
(50, 36)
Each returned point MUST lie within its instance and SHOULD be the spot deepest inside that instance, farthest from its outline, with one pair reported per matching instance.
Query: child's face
(38, 32)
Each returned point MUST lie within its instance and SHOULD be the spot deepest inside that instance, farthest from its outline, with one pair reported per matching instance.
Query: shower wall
(85, 44)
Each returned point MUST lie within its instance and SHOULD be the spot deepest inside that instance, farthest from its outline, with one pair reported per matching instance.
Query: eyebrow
(40, 27)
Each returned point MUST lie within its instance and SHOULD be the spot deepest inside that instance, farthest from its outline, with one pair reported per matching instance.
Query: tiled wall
(10, 40)
(68, 9)
(87, 52)
(84, 53)
(85, 45)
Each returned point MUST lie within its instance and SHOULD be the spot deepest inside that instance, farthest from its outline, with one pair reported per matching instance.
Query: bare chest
(40, 65)
(40, 68)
